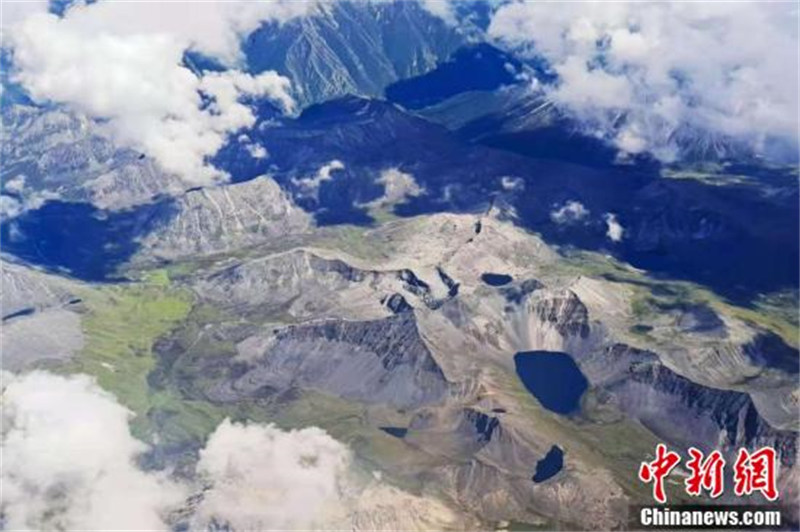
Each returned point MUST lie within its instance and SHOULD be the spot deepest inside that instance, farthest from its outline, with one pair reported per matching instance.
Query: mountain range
(426, 219)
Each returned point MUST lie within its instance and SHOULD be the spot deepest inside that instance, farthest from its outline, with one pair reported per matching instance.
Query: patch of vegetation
(351, 239)
(782, 305)
(347, 421)
(642, 306)
(178, 421)
(594, 264)
(780, 320)
(159, 278)
(383, 214)
(121, 325)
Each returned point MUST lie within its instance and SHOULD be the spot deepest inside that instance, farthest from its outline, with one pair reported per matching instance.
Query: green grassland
(121, 324)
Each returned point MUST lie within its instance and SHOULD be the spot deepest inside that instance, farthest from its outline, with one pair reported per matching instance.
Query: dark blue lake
(397, 432)
(550, 465)
(496, 279)
(553, 378)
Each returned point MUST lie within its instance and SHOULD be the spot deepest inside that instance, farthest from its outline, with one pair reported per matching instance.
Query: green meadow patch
(122, 323)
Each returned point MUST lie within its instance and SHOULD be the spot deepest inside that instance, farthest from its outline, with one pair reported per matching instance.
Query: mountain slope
(352, 48)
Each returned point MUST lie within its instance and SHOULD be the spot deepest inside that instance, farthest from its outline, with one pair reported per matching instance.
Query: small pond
(496, 279)
(550, 465)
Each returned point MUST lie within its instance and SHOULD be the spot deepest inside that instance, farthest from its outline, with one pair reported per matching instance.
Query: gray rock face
(516, 293)
(397, 304)
(301, 284)
(299, 281)
(53, 153)
(25, 289)
(590, 502)
(565, 312)
(53, 334)
(224, 218)
(515, 108)
(679, 410)
(421, 289)
(352, 48)
(39, 316)
(378, 361)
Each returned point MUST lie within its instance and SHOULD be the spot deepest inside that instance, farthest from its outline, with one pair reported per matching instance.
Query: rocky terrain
(207, 221)
(426, 351)
(347, 48)
(41, 318)
(399, 324)
(380, 268)
(59, 154)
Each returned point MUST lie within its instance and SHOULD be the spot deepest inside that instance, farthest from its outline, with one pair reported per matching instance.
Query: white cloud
(263, 478)
(309, 186)
(68, 460)
(257, 151)
(569, 213)
(398, 186)
(642, 73)
(15, 185)
(122, 63)
(212, 28)
(512, 184)
(70, 463)
(9, 207)
(14, 12)
(259, 477)
(440, 8)
(584, 89)
(614, 230)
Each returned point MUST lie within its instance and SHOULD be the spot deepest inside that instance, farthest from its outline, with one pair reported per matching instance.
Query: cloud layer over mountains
(122, 63)
(70, 462)
(263, 478)
(641, 74)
